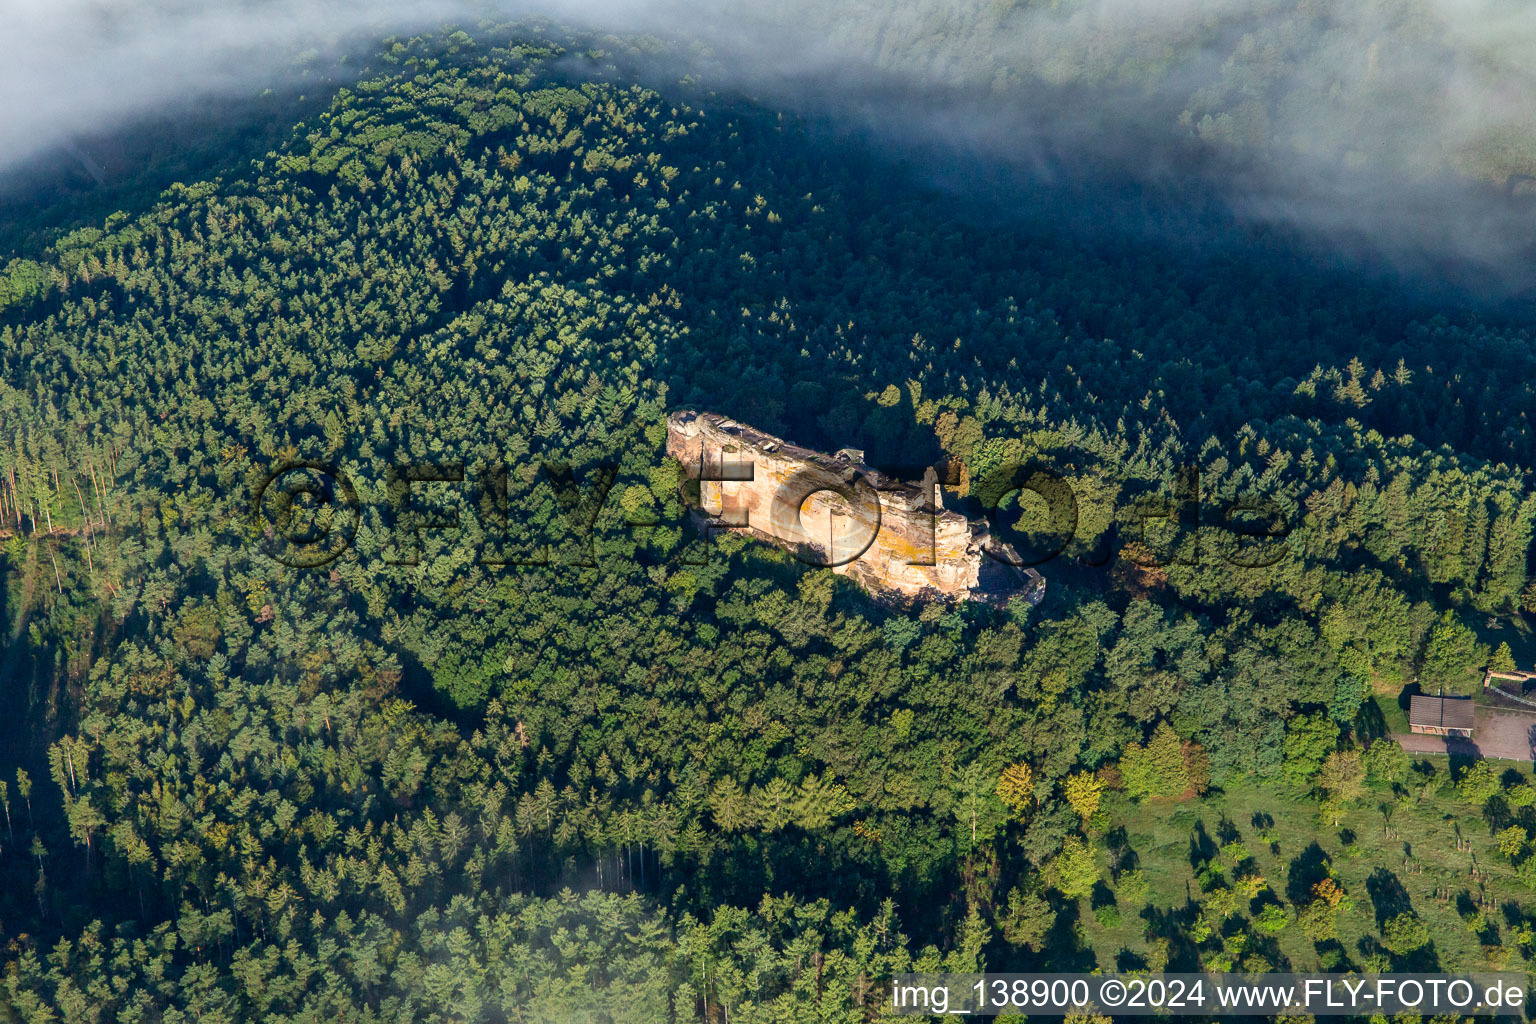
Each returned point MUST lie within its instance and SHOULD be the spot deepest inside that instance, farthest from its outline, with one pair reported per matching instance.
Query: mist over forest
(382, 637)
(1397, 128)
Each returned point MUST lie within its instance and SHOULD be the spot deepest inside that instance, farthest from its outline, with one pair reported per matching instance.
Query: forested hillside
(564, 757)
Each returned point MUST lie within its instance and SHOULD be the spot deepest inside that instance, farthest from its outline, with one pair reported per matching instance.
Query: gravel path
(1510, 735)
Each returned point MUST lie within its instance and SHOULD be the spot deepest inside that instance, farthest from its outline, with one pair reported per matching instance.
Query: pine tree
(1083, 791)
(1015, 787)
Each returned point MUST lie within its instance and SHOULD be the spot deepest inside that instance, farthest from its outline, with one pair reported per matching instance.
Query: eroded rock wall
(894, 537)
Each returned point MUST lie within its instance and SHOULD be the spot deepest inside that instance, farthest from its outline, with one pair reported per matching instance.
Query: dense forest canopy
(564, 757)
(1401, 127)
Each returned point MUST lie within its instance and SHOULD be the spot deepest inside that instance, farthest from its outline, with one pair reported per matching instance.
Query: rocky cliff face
(894, 537)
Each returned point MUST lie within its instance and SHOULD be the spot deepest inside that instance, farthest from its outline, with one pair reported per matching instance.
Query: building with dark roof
(1440, 716)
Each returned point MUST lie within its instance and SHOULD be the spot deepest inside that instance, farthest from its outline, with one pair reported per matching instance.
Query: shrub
(1132, 889)
(1272, 919)
(1077, 869)
(1479, 784)
(1318, 922)
(1512, 840)
(1386, 762)
(1156, 768)
(1404, 933)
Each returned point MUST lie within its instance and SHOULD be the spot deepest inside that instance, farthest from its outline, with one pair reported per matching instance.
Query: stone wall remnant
(894, 537)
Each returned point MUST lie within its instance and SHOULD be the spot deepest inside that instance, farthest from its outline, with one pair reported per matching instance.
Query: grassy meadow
(1420, 849)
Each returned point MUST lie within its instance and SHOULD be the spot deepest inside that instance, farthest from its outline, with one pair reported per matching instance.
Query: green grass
(1395, 717)
(1420, 854)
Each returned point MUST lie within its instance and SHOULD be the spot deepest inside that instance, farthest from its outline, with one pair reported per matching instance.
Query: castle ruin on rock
(894, 537)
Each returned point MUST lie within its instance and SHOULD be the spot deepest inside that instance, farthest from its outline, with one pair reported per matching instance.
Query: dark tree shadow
(1497, 813)
(1127, 961)
(1062, 948)
(1268, 947)
(1307, 869)
(1468, 909)
(1424, 959)
(1201, 847)
(1122, 857)
(1263, 823)
(1463, 753)
(1373, 955)
(1387, 895)
(1226, 831)
(1424, 776)
(1173, 924)
(1332, 957)
(1371, 724)
(1264, 899)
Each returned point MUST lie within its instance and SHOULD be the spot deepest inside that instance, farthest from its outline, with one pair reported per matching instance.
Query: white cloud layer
(1337, 116)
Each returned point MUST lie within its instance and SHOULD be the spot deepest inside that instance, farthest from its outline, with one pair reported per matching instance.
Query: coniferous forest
(496, 733)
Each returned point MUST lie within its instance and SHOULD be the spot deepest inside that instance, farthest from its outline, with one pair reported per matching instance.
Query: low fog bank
(1403, 128)
(1401, 131)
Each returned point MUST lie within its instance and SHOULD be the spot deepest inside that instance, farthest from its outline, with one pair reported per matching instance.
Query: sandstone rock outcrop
(894, 537)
